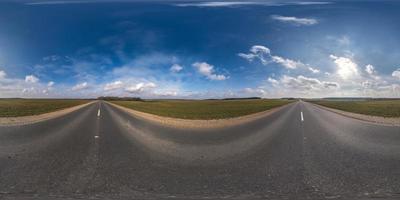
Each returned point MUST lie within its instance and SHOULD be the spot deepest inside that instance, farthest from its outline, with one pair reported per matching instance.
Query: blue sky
(199, 49)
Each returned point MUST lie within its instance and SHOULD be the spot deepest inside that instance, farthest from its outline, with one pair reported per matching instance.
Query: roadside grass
(382, 108)
(27, 107)
(203, 109)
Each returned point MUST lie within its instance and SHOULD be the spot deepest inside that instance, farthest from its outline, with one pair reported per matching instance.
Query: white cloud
(287, 63)
(252, 92)
(313, 70)
(176, 68)
(50, 84)
(370, 69)
(273, 81)
(2, 74)
(80, 86)
(257, 51)
(58, 2)
(396, 73)
(216, 4)
(113, 86)
(246, 3)
(295, 20)
(301, 86)
(347, 69)
(31, 79)
(264, 55)
(208, 71)
(140, 87)
(306, 83)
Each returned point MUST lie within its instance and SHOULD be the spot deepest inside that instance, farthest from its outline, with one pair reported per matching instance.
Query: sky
(199, 49)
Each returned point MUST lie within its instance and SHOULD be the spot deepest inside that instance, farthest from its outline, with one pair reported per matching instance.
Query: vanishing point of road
(298, 152)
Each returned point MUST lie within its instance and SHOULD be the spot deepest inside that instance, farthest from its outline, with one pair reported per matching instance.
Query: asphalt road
(299, 152)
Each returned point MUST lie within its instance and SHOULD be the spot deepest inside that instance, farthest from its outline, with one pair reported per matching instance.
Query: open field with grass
(203, 109)
(27, 107)
(382, 108)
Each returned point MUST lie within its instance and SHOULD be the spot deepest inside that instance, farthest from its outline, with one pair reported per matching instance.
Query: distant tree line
(236, 98)
(112, 98)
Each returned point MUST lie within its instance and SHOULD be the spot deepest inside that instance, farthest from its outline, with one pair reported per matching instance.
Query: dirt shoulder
(198, 124)
(16, 121)
(391, 121)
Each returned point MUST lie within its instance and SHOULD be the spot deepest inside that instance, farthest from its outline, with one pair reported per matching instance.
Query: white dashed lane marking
(301, 116)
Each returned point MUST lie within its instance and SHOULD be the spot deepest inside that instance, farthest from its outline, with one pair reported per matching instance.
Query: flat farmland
(203, 109)
(382, 108)
(28, 107)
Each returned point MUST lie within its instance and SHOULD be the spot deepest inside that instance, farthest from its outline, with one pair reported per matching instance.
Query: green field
(382, 108)
(26, 107)
(202, 109)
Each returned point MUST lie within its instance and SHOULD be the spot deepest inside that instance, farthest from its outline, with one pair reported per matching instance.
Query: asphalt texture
(298, 152)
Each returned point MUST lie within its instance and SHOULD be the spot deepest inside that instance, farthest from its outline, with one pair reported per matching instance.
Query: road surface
(298, 152)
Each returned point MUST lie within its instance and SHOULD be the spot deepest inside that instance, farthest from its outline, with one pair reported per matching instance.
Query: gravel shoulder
(391, 121)
(198, 124)
(17, 121)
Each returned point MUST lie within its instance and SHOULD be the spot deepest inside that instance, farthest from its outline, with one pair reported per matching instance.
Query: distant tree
(113, 98)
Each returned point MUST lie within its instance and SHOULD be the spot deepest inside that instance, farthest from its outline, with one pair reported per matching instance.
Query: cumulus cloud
(2, 74)
(257, 51)
(264, 55)
(140, 87)
(80, 86)
(396, 73)
(176, 68)
(301, 86)
(113, 86)
(346, 68)
(272, 80)
(207, 70)
(313, 70)
(370, 69)
(295, 20)
(50, 84)
(253, 92)
(31, 79)
(306, 83)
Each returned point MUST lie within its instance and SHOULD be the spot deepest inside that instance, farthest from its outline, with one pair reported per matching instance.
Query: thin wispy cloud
(245, 3)
(59, 2)
(295, 20)
(263, 54)
(217, 4)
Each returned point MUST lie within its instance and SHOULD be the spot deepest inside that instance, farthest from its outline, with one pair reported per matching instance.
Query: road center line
(98, 113)
(301, 116)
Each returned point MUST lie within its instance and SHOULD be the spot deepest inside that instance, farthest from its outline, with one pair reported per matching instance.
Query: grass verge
(203, 109)
(381, 108)
(27, 107)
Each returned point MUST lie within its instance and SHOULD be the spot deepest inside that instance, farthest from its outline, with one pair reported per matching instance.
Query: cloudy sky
(199, 49)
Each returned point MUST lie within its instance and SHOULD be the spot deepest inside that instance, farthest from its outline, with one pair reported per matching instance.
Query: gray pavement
(299, 152)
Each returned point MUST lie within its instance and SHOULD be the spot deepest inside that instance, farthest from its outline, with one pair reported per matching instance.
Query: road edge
(25, 120)
(388, 121)
(195, 123)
